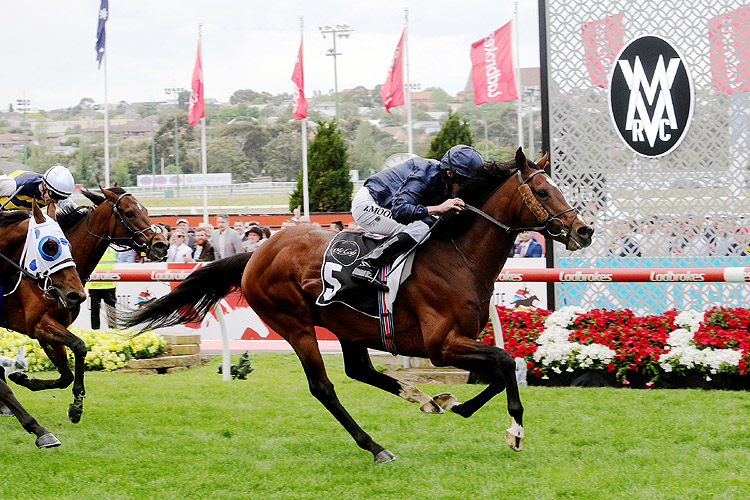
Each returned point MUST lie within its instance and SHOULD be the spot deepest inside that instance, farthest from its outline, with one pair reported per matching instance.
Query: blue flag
(101, 34)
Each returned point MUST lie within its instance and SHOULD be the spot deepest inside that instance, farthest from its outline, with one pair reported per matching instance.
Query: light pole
(341, 31)
(486, 138)
(175, 91)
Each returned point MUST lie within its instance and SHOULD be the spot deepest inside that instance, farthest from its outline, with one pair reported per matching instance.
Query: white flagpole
(106, 123)
(204, 163)
(517, 71)
(305, 187)
(407, 86)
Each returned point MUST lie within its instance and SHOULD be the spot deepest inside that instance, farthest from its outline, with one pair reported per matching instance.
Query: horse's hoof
(431, 407)
(74, 413)
(47, 441)
(384, 457)
(446, 400)
(5, 411)
(514, 441)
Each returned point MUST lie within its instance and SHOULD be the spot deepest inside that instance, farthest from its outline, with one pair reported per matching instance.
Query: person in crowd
(184, 226)
(255, 238)
(239, 226)
(741, 244)
(527, 246)
(626, 242)
(203, 251)
(288, 223)
(226, 241)
(337, 225)
(104, 291)
(19, 188)
(266, 231)
(400, 202)
(178, 249)
(126, 256)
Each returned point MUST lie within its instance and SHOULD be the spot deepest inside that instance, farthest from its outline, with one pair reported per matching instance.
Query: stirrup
(369, 275)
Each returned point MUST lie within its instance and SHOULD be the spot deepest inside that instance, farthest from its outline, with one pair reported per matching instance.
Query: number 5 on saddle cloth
(341, 257)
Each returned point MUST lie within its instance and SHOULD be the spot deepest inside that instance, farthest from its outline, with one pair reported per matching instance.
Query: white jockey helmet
(59, 180)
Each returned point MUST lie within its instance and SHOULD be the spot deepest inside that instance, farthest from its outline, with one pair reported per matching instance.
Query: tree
(283, 155)
(328, 172)
(363, 157)
(454, 131)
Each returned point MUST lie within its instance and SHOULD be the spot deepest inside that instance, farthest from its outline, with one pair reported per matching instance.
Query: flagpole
(407, 87)
(305, 187)
(517, 71)
(204, 162)
(106, 124)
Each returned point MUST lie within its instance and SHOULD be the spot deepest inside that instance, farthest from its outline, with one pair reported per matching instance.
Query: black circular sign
(651, 96)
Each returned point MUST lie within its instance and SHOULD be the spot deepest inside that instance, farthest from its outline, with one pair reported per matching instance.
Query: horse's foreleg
(306, 347)
(497, 366)
(358, 366)
(44, 438)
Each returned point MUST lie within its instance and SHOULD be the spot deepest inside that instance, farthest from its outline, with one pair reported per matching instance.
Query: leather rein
(541, 213)
(123, 243)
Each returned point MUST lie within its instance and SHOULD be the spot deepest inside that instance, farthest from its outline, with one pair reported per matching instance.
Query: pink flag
(492, 67)
(602, 41)
(299, 103)
(392, 93)
(728, 35)
(196, 109)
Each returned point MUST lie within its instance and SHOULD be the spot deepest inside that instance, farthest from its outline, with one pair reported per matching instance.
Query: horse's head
(49, 260)
(132, 226)
(546, 204)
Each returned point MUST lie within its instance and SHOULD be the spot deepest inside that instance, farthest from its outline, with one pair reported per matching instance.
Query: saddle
(343, 254)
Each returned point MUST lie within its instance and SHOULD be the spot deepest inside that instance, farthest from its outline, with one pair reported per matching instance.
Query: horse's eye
(49, 247)
(129, 214)
(542, 193)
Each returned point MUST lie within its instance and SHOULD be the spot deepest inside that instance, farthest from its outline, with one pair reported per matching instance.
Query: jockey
(400, 202)
(19, 188)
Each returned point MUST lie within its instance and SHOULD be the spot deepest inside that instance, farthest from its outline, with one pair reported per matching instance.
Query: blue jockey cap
(461, 160)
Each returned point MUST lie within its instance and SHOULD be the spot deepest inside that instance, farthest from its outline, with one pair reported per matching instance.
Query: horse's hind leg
(358, 366)
(306, 347)
(44, 438)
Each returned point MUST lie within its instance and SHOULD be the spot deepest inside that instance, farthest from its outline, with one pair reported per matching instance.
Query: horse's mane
(13, 216)
(68, 219)
(474, 191)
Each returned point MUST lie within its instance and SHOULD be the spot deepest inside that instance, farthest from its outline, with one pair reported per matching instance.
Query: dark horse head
(541, 205)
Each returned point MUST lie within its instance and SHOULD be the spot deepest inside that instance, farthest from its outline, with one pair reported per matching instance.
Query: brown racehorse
(64, 284)
(115, 218)
(440, 308)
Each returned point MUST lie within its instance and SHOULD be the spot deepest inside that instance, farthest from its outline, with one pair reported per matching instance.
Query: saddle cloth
(341, 257)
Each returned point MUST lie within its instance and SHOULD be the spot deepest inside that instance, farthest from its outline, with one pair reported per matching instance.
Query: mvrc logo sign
(651, 96)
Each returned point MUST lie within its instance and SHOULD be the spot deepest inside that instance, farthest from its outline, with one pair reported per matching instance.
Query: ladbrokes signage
(651, 96)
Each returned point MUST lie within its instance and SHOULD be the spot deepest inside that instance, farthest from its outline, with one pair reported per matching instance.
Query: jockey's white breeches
(376, 219)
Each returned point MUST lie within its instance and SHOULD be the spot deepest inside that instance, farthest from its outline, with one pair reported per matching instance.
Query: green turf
(190, 435)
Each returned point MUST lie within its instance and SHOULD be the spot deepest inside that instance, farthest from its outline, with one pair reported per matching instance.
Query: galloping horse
(116, 218)
(63, 283)
(438, 313)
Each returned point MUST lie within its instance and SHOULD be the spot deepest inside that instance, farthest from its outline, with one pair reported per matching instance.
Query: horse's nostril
(75, 298)
(585, 231)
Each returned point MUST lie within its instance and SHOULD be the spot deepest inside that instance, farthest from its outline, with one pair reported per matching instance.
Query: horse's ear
(96, 198)
(52, 210)
(543, 161)
(521, 163)
(38, 214)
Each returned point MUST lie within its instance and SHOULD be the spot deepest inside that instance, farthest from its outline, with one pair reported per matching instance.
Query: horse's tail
(193, 298)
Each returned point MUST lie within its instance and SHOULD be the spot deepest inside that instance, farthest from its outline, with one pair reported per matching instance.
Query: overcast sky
(48, 52)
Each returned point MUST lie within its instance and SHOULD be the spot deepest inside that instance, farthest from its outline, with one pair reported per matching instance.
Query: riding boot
(368, 268)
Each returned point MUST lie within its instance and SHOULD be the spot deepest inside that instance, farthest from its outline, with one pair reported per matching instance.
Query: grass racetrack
(190, 435)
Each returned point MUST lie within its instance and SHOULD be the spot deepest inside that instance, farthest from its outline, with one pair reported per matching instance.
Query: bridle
(542, 214)
(124, 242)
